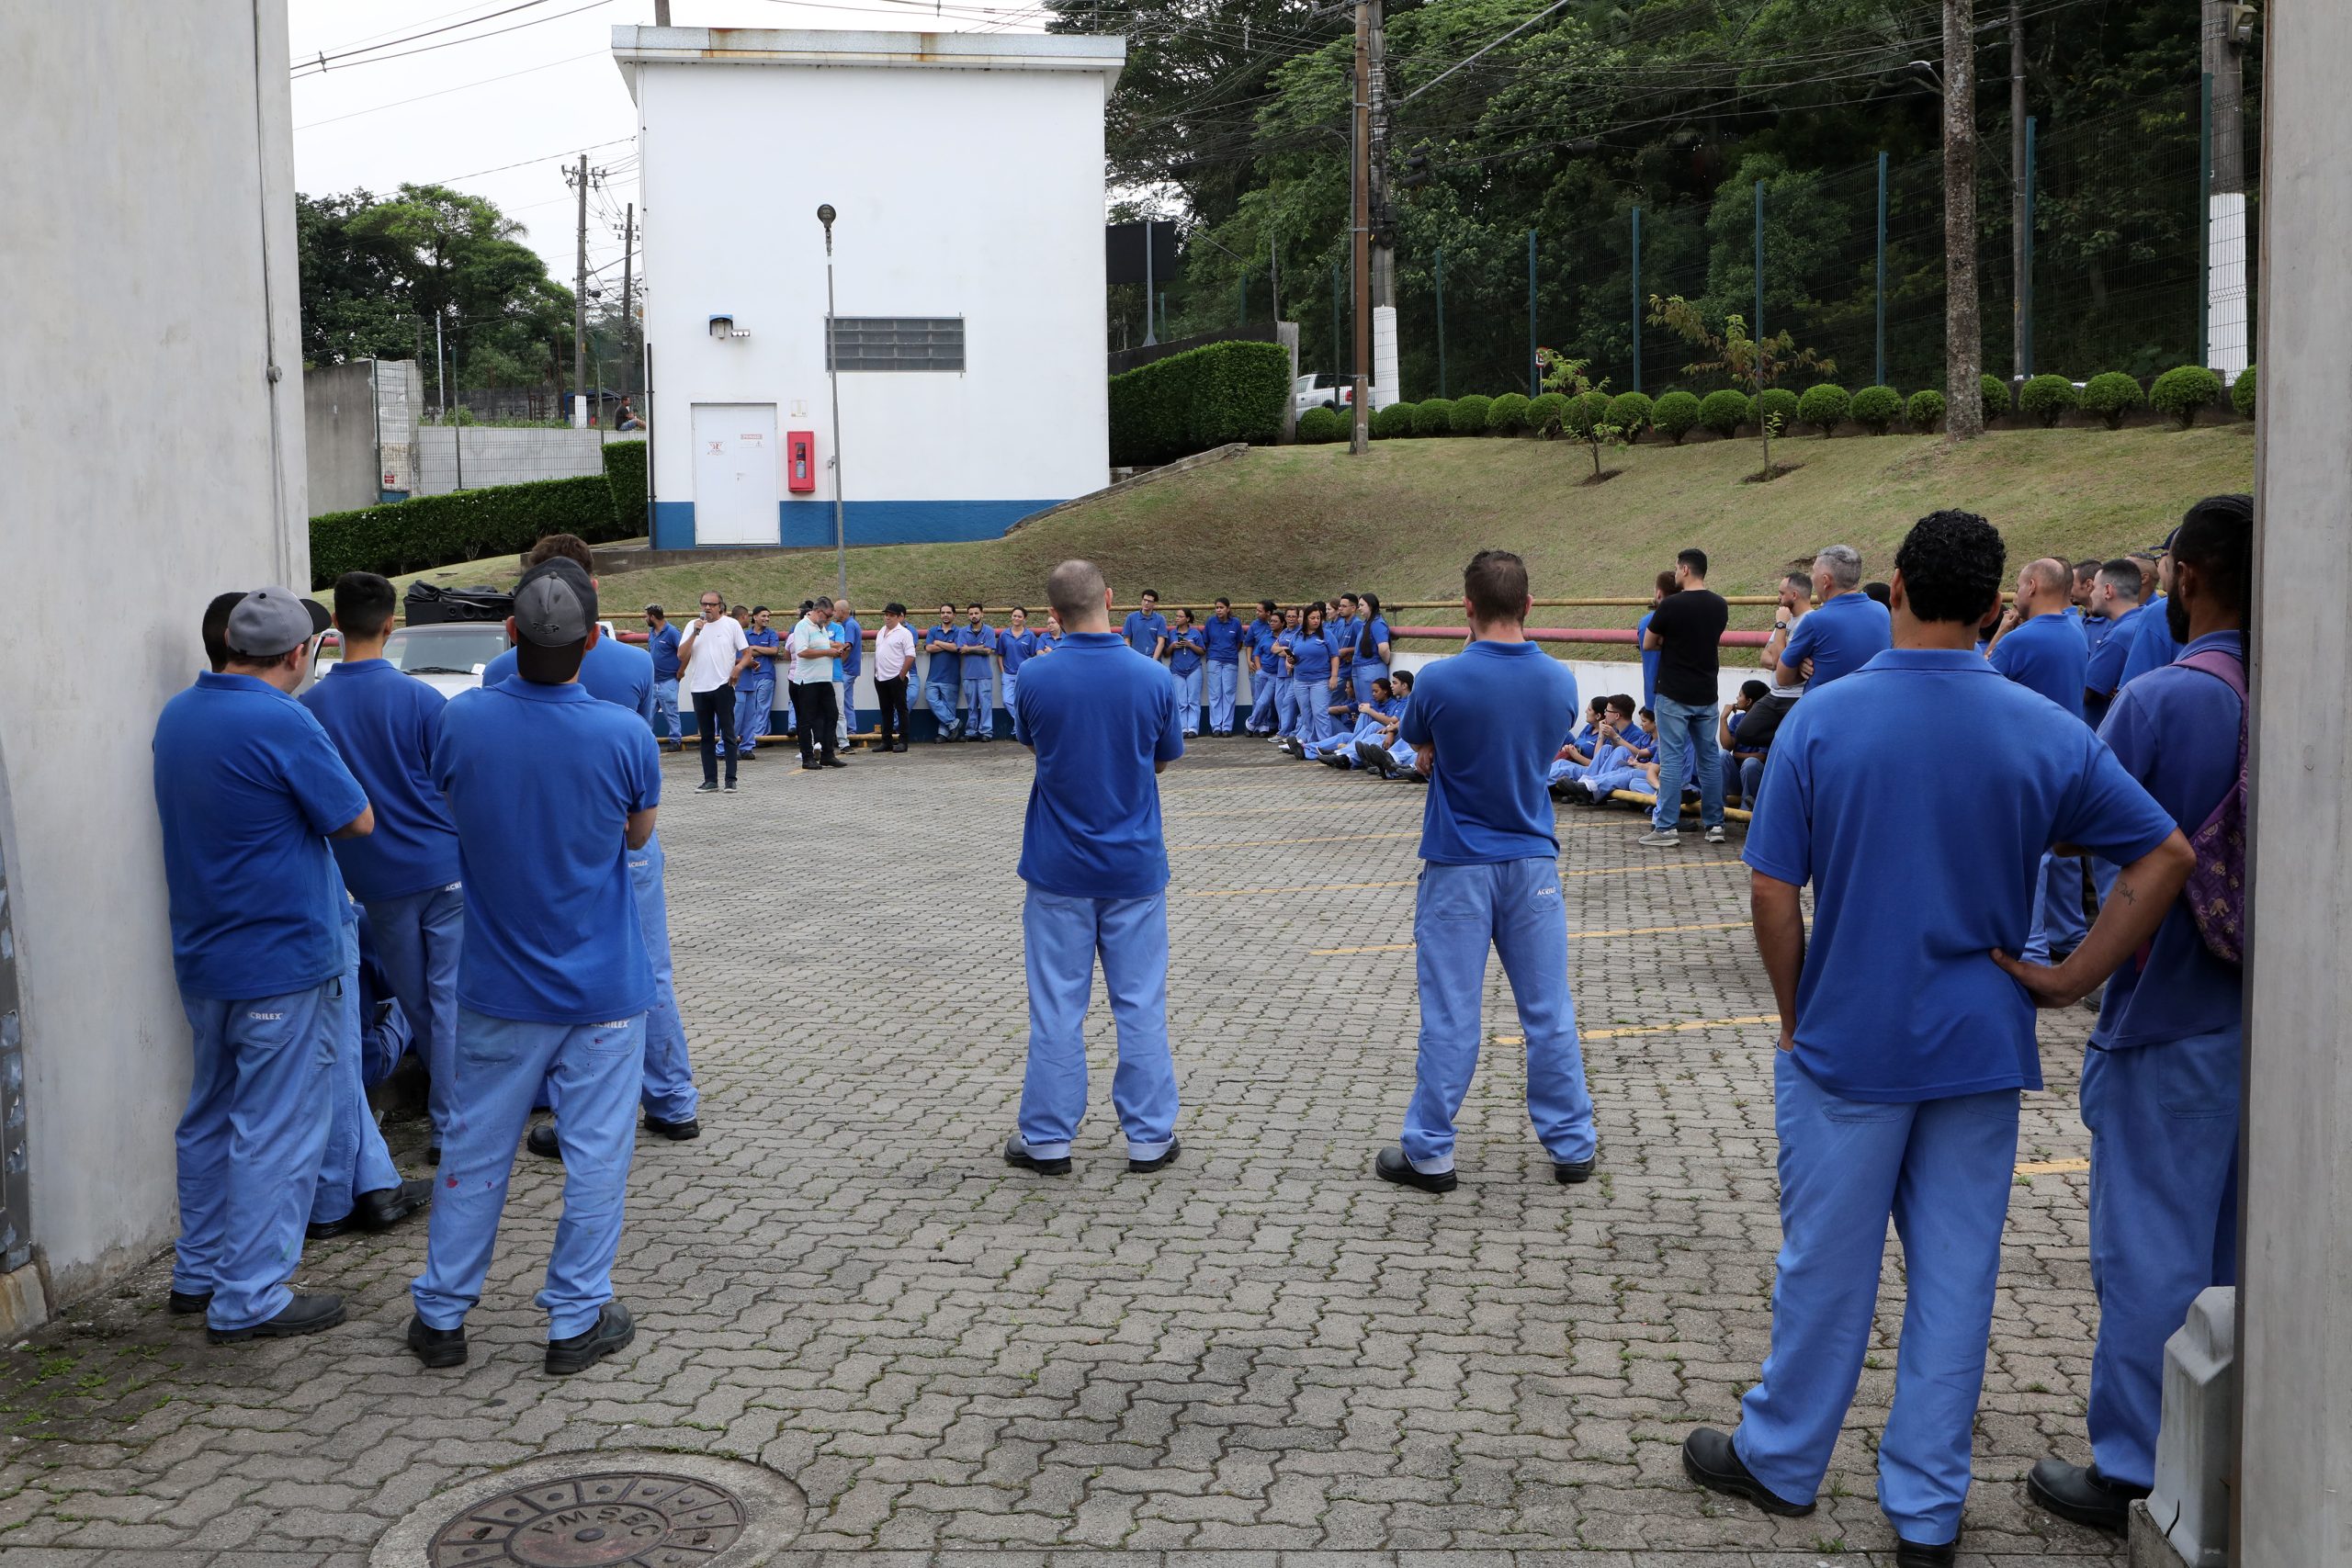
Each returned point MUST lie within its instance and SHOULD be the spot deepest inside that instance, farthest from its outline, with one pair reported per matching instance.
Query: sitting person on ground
(1620, 749)
(1747, 763)
(1339, 751)
(1386, 753)
(1577, 755)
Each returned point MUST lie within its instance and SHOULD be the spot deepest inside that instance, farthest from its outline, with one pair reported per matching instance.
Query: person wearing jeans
(1485, 725)
(894, 668)
(815, 646)
(712, 655)
(661, 642)
(1685, 631)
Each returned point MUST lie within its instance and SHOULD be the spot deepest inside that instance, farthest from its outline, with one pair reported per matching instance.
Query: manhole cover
(628, 1508)
(646, 1520)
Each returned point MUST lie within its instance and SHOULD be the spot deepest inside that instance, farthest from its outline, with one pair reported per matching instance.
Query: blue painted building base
(810, 524)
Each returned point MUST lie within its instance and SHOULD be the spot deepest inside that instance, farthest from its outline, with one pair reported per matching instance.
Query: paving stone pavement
(1260, 1357)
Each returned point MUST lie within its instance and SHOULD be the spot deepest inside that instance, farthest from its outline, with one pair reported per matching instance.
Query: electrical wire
(321, 63)
(443, 92)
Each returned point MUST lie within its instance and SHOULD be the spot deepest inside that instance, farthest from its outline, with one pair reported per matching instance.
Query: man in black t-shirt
(1685, 631)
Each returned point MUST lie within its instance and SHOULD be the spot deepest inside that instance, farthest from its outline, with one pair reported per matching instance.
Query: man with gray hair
(1847, 629)
(1102, 720)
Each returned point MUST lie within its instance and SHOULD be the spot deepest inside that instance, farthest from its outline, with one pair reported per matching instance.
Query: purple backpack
(2216, 890)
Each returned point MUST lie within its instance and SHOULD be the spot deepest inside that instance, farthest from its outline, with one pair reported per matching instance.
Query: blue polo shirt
(1223, 639)
(612, 671)
(852, 663)
(764, 671)
(2176, 730)
(1497, 713)
(945, 669)
(977, 642)
(1184, 652)
(383, 724)
(663, 646)
(1847, 632)
(248, 786)
(1311, 656)
(1143, 632)
(2045, 655)
(1260, 637)
(2103, 675)
(2152, 644)
(540, 781)
(1100, 719)
(1899, 999)
(1650, 656)
(1343, 633)
(1378, 628)
(1015, 649)
(2095, 630)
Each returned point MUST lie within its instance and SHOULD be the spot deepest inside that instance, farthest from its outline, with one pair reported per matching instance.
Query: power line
(486, 81)
(319, 66)
(524, 162)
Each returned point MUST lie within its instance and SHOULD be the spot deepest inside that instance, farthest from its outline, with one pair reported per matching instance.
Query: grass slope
(1299, 521)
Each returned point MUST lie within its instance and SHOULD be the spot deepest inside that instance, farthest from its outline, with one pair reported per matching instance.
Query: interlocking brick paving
(1261, 1353)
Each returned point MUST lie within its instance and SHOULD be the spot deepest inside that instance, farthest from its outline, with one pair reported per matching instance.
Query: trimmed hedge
(2047, 399)
(1825, 407)
(1585, 410)
(1776, 403)
(2111, 396)
(1506, 415)
(1675, 415)
(435, 530)
(1632, 413)
(1318, 425)
(1394, 420)
(1876, 409)
(1201, 398)
(1469, 415)
(624, 472)
(1723, 412)
(2184, 392)
(1547, 411)
(1433, 416)
(1996, 393)
(2242, 394)
(1925, 411)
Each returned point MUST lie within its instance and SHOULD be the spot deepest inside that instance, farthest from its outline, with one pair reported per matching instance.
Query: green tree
(1756, 364)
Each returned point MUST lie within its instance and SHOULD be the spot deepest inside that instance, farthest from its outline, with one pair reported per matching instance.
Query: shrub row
(1202, 398)
(435, 530)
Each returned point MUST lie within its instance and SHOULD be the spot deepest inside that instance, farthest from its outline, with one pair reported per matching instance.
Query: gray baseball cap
(269, 623)
(555, 604)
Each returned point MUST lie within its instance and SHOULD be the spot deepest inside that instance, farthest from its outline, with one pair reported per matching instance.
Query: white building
(967, 172)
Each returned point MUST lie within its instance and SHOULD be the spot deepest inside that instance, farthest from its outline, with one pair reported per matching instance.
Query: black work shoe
(835, 762)
(1375, 759)
(1016, 1153)
(438, 1346)
(2081, 1494)
(1166, 1158)
(385, 1207)
(705, 788)
(1709, 1459)
(187, 1303)
(303, 1315)
(541, 1141)
(615, 1328)
(1390, 1165)
(1574, 1172)
(1918, 1554)
(676, 1132)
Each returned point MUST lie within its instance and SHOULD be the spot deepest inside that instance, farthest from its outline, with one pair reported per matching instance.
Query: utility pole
(660, 13)
(580, 298)
(1360, 431)
(2225, 29)
(1963, 350)
(1383, 220)
(2018, 290)
(628, 306)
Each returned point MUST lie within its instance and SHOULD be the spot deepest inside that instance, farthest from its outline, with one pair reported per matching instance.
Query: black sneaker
(2081, 1494)
(706, 787)
(615, 1328)
(835, 762)
(541, 1141)
(1574, 1172)
(1375, 759)
(438, 1346)
(1167, 1159)
(303, 1315)
(1016, 1153)
(729, 787)
(1709, 1459)
(676, 1132)
(187, 1303)
(1920, 1554)
(1390, 1165)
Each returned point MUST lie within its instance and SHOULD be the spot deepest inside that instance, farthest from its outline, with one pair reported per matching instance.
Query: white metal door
(735, 484)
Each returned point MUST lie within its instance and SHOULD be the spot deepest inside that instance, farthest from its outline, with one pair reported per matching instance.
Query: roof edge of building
(634, 46)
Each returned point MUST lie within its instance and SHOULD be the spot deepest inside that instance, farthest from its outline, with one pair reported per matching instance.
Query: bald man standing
(2039, 647)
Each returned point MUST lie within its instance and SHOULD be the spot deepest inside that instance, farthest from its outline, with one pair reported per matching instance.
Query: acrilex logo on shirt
(267, 1017)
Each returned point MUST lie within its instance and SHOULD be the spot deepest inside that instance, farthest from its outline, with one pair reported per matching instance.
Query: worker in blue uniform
(977, 640)
(1187, 660)
(615, 673)
(2040, 650)
(1902, 1046)
(1265, 671)
(1016, 645)
(1314, 677)
(942, 678)
(404, 874)
(1221, 640)
(1102, 723)
(846, 670)
(1373, 649)
(661, 642)
(358, 1187)
(1285, 689)
(2161, 1082)
(249, 789)
(550, 790)
(755, 693)
(1146, 629)
(1484, 724)
(2153, 644)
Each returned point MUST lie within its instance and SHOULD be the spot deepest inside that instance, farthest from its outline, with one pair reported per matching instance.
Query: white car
(1320, 392)
(448, 655)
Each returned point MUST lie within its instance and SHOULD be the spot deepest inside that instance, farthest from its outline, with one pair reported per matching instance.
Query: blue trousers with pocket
(1285, 705)
(354, 1159)
(594, 1072)
(754, 710)
(1062, 936)
(940, 696)
(1364, 672)
(980, 704)
(666, 727)
(1459, 912)
(1313, 701)
(1942, 1169)
(1686, 740)
(2163, 1123)
(1188, 699)
(2059, 922)
(669, 1091)
(416, 940)
(1265, 703)
(1011, 710)
(249, 1146)
(1224, 683)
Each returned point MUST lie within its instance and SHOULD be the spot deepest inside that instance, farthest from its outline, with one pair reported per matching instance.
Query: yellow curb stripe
(1272, 843)
(1573, 936)
(2053, 1167)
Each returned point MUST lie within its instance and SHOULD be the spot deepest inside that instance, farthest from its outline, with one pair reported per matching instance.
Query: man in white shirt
(816, 644)
(894, 668)
(709, 659)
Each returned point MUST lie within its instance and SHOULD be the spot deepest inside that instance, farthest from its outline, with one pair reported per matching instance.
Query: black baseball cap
(555, 604)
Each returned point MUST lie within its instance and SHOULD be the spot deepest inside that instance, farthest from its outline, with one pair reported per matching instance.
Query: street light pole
(833, 378)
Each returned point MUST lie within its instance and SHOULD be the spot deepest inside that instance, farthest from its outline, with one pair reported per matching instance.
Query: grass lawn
(1299, 521)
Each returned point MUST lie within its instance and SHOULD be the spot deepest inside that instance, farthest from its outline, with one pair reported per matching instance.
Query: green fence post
(1757, 331)
(1440, 320)
(2025, 275)
(1534, 369)
(1637, 298)
(1881, 380)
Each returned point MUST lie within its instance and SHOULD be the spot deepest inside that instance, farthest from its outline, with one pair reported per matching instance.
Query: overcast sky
(532, 87)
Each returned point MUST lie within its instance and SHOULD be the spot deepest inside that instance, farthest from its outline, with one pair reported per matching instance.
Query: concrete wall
(997, 220)
(339, 437)
(153, 144)
(492, 455)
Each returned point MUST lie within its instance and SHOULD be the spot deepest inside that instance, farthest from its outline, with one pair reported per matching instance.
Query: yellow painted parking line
(1270, 844)
(1655, 1029)
(1327, 806)
(1326, 887)
(2051, 1166)
(1573, 936)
